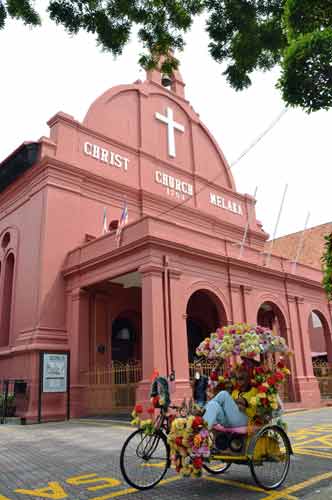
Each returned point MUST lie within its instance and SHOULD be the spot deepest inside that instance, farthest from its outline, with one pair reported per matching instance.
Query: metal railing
(117, 374)
(323, 373)
(206, 367)
(9, 391)
(112, 389)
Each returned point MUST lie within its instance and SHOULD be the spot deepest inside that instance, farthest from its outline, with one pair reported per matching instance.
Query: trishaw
(263, 445)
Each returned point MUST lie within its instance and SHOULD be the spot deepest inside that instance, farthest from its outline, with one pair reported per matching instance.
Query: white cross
(171, 126)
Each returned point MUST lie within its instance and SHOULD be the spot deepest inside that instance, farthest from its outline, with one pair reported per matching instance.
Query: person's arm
(242, 404)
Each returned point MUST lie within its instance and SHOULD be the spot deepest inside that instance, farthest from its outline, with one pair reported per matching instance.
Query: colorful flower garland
(241, 340)
(190, 445)
(146, 425)
(267, 381)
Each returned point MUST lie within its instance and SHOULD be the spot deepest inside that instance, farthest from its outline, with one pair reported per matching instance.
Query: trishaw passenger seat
(233, 430)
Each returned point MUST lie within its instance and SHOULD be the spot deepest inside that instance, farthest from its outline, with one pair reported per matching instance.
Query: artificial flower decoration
(190, 445)
(248, 342)
(241, 340)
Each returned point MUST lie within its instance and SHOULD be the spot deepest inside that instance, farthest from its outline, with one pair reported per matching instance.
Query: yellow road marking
(326, 440)
(134, 490)
(107, 482)
(238, 484)
(159, 464)
(53, 490)
(298, 486)
(312, 440)
(314, 453)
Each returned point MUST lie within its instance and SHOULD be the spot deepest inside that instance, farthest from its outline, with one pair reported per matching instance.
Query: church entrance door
(205, 313)
(115, 350)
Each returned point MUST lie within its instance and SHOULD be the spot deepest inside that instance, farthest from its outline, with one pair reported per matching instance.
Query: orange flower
(197, 441)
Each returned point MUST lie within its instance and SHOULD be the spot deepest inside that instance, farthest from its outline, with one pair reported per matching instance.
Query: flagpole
(104, 222)
(268, 258)
(300, 245)
(251, 211)
(122, 222)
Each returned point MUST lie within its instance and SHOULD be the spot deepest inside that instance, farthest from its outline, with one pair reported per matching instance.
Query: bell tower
(174, 82)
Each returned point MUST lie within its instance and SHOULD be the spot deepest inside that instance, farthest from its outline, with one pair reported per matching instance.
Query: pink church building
(113, 307)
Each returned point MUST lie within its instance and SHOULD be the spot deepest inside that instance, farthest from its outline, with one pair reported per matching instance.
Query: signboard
(55, 372)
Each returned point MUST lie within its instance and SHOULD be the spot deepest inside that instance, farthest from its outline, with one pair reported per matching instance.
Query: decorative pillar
(78, 335)
(178, 337)
(249, 305)
(237, 304)
(306, 387)
(154, 339)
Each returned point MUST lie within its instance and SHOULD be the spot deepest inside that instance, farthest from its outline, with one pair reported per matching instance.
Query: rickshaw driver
(232, 410)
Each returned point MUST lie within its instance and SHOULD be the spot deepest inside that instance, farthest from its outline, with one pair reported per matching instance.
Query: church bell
(166, 81)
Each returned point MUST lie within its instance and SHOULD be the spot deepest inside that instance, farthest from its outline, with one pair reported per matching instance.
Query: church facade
(144, 297)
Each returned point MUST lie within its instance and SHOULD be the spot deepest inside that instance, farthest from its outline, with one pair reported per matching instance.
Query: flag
(105, 229)
(122, 222)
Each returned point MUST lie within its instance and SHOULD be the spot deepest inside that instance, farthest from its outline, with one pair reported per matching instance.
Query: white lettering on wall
(87, 148)
(231, 206)
(174, 187)
(105, 156)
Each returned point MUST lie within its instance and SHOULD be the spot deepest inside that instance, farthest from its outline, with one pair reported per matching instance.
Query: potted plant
(10, 404)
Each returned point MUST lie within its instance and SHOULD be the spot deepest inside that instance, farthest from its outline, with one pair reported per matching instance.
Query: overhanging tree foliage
(327, 266)
(246, 35)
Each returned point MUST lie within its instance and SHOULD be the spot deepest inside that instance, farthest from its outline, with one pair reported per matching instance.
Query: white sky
(44, 71)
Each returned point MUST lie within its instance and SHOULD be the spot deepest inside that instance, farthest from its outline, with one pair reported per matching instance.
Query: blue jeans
(223, 410)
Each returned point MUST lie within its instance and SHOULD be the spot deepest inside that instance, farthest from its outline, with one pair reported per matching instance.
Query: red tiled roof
(312, 249)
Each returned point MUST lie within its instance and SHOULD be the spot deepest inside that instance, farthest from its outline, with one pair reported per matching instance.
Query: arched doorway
(205, 313)
(321, 351)
(125, 338)
(270, 316)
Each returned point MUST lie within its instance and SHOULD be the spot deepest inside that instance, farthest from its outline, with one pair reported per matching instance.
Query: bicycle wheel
(270, 450)
(216, 465)
(144, 459)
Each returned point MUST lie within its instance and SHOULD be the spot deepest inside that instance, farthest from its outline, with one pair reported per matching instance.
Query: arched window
(7, 300)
